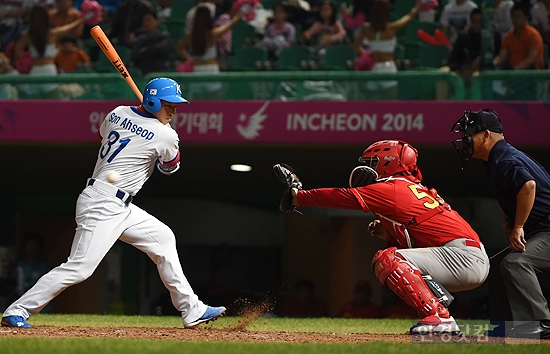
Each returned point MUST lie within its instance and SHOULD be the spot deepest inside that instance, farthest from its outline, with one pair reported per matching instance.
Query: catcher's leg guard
(407, 282)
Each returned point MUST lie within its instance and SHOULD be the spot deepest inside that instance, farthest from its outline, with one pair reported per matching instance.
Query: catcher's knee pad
(407, 282)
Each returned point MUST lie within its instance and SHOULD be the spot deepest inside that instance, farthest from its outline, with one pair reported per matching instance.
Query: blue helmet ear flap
(152, 104)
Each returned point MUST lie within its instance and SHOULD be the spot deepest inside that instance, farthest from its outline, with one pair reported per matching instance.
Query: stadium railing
(289, 85)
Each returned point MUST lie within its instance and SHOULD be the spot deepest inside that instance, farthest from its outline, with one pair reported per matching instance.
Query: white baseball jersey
(540, 17)
(457, 17)
(132, 142)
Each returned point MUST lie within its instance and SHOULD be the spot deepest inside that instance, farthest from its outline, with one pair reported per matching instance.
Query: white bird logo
(251, 131)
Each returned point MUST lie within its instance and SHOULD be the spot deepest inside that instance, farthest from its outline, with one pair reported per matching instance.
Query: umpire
(522, 188)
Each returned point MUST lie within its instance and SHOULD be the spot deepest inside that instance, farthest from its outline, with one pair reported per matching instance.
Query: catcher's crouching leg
(407, 282)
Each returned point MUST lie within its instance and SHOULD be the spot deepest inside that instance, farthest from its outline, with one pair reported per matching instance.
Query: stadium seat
(412, 49)
(401, 8)
(546, 58)
(269, 4)
(295, 57)
(399, 55)
(433, 56)
(179, 8)
(339, 57)
(298, 27)
(246, 59)
(175, 28)
(243, 34)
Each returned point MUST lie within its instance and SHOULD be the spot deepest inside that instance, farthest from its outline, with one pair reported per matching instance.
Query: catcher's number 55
(421, 194)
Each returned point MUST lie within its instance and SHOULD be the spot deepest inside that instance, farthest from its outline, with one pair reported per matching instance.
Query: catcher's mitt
(361, 176)
(287, 175)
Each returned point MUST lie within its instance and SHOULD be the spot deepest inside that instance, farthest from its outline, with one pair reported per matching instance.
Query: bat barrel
(110, 52)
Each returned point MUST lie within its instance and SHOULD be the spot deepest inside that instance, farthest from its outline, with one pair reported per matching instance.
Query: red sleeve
(335, 198)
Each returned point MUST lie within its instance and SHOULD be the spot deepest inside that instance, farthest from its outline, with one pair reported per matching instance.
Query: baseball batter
(438, 252)
(134, 140)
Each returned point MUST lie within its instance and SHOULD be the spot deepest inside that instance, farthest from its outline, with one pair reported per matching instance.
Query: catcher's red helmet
(389, 157)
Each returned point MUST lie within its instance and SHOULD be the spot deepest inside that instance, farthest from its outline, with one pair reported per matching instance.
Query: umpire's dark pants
(515, 290)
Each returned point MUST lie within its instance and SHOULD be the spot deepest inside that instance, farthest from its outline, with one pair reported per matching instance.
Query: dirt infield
(238, 335)
(199, 334)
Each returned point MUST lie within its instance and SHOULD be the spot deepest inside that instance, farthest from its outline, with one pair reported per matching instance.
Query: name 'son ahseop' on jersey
(134, 128)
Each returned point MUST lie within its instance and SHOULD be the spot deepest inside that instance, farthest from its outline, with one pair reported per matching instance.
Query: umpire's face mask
(464, 145)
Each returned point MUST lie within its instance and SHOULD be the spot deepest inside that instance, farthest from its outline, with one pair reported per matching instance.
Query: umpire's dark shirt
(508, 170)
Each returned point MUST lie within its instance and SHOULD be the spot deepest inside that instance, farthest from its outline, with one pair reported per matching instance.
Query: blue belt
(120, 194)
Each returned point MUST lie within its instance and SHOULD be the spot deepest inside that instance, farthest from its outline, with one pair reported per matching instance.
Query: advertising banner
(295, 122)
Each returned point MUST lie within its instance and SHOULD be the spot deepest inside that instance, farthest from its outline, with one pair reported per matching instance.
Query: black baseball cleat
(534, 330)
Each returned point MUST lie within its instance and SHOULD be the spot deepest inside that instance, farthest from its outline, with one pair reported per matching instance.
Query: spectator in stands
(540, 15)
(225, 11)
(360, 306)
(165, 10)
(190, 16)
(152, 50)
(126, 23)
(503, 21)
(7, 91)
(109, 7)
(279, 33)
(326, 31)
(41, 39)
(65, 14)
(381, 34)
(13, 16)
(522, 47)
(455, 17)
(304, 303)
(302, 13)
(464, 58)
(70, 56)
(200, 47)
(355, 16)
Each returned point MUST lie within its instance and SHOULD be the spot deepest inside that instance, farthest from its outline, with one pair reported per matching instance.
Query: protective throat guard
(473, 122)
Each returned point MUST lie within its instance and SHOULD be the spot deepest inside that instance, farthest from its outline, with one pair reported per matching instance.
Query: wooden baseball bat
(110, 52)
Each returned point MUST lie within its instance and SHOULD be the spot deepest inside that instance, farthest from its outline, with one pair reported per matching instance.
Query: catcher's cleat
(211, 314)
(435, 325)
(15, 321)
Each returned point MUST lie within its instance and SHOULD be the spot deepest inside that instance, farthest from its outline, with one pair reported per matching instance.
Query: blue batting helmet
(161, 89)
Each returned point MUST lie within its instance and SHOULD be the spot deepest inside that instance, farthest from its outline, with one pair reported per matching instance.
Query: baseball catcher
(432, 250)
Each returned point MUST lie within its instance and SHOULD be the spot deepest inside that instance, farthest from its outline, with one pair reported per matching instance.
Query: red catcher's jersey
(396, 201)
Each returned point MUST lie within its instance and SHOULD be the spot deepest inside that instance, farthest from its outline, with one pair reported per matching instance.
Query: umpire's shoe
(532, 329)
(435, 325)
(15, 321)
(211, 314)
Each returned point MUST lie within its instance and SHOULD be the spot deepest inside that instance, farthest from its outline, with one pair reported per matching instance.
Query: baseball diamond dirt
(238, 332)
(240, 335)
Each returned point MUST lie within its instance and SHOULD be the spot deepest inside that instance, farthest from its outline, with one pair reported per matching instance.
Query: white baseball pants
(101, 219)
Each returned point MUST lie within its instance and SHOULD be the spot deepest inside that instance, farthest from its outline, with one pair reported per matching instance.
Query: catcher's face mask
(472, 122)
(371, 162)
(464, 145)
